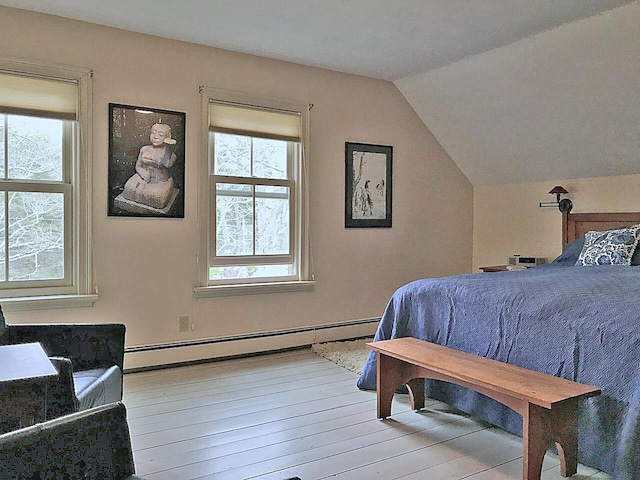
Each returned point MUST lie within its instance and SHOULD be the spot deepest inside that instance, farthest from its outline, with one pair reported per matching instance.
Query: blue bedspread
(579, 323)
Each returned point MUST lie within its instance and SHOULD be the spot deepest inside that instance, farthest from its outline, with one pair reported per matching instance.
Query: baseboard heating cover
(145, 357)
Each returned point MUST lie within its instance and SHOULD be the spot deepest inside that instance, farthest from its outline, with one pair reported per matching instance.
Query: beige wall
(146, 267)
(508, 220)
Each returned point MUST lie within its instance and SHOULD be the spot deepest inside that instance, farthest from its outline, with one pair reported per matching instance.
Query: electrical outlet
(183, 323)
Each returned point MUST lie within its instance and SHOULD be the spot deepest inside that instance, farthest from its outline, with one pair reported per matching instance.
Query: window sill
(21, 304)
(253, 289)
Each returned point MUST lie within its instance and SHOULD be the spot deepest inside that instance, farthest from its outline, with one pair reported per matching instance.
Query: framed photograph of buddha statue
(146, 162)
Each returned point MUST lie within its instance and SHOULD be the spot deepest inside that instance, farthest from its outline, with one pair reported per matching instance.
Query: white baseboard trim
(172, 354)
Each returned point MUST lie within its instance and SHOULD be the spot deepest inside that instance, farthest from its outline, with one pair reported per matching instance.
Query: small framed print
(368, 186)
(146, 162)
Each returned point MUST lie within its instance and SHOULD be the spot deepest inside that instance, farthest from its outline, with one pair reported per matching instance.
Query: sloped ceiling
(517, 91)
(562, 104)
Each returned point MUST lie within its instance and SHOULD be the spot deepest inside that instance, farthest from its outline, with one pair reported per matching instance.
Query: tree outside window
(253, 185)
(32, 200)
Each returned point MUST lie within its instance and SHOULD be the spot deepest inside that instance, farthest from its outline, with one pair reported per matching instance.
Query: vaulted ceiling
(517, 91)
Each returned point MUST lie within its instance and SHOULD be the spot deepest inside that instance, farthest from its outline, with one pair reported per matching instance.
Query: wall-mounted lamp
(564, 205)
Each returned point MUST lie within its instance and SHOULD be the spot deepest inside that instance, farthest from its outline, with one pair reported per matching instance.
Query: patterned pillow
(613, 247)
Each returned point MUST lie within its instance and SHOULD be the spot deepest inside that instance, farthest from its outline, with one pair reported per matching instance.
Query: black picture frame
(368, 185)
(163, 181)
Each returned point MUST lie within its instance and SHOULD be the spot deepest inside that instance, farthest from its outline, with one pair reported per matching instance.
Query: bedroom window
(36, 192)
(256, 219)
(43, 245)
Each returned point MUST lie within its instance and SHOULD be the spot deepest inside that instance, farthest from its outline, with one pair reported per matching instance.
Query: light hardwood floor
(297, 414)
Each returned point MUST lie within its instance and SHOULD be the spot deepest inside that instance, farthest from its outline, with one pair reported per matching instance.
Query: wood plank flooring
(297, 414)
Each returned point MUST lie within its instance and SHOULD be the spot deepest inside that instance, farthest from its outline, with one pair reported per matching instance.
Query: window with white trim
(256, 218)
(44, 229)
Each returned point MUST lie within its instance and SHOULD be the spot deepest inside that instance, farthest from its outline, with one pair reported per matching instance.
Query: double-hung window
(44, 240)
(256, 219)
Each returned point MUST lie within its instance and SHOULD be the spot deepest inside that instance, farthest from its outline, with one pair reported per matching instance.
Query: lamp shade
(558, 190)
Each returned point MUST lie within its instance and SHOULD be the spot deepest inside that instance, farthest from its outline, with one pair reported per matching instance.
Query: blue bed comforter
(579, 323)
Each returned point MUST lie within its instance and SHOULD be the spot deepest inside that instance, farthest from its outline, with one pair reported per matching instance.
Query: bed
(576, 322)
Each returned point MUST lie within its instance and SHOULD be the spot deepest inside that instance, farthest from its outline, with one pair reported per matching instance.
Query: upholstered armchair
(89, 359)
(94, 444)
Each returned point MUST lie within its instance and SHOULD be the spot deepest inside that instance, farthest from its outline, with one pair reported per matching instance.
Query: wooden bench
(548, 404)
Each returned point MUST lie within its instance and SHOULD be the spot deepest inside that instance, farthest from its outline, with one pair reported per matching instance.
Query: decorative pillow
(571, 252)
(613, 247)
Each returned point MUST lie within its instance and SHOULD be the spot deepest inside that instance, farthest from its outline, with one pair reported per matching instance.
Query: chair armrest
(93, 345)
(94, 444)
(61, 397)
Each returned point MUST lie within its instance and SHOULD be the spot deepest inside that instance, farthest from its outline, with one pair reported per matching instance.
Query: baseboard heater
(239, 338)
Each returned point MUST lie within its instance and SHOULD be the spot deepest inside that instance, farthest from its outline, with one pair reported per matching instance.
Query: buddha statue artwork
(151, 189)
(146, 162)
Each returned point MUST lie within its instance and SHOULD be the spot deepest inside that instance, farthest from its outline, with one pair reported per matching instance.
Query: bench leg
(541, 428)
(389, 372)
(416, 392)
(566, 438)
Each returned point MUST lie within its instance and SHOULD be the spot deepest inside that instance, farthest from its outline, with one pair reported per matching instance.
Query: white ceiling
(388, 39)
(518, 90)
(560, 105)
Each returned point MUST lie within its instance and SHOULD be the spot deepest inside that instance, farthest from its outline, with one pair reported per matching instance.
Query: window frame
(255, 259)
(77, 289)
(63, 187)
(299, 242)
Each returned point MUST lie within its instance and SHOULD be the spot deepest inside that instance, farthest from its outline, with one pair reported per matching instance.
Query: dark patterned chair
(89, 359)
(93, 445)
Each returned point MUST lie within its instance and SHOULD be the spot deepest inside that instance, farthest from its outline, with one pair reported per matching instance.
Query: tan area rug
(350, 354)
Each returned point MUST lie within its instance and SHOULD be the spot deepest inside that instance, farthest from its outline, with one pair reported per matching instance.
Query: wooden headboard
(575, 225)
